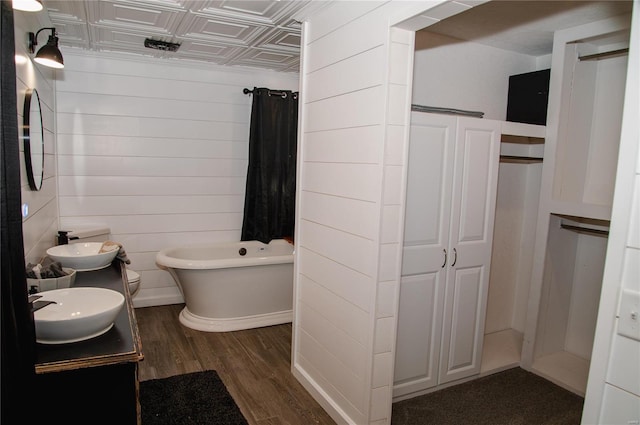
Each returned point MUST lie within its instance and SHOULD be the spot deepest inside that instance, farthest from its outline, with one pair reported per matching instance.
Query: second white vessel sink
(82, 256)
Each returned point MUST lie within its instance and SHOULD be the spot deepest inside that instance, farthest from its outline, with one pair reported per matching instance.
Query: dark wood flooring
(255, 365)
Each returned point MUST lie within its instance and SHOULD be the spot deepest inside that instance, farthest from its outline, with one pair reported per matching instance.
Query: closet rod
(520, 159)
(595, 232)
(604, 55)
(273, 92)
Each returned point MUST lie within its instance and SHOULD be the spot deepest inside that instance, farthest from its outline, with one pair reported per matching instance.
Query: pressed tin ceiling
(266, 33)
(263, 33)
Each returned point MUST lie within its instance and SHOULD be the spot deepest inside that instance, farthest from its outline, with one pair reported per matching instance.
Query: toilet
(100, 233)
(134, 282)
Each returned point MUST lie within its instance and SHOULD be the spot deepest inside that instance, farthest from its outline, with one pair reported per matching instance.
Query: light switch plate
(629, 315)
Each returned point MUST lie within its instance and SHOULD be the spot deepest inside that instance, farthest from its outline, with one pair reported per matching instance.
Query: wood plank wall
(40, 226)
(350, 203)
(157, 151)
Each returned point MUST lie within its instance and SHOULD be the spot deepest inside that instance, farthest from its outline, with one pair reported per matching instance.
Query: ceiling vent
(161, 45)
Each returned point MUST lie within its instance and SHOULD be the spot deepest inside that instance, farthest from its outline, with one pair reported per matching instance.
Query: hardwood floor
(254, 364)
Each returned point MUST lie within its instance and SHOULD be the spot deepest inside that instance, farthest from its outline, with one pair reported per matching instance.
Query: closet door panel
(419, 333)
(472, 217)
(475, 182)
(429, 183)
(426, 237)
(451, 194)
(464, 320)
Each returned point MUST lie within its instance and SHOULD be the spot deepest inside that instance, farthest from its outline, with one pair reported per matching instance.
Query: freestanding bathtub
(232, 286)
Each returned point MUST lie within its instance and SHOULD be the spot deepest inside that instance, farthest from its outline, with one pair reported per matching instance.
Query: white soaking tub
(232, 286)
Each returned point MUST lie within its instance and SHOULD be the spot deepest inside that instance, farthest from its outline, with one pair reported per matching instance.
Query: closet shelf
(521, 140)
(511, 159)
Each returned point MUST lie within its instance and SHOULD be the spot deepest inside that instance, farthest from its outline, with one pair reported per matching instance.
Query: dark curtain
(18, 332)
(269, 206)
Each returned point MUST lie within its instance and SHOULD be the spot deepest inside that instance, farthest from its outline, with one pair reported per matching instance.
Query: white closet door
(430, 178)
(429, 183)
(472, 217)
(419, 333)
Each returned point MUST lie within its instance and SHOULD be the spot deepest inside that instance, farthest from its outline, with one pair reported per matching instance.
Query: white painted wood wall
(40, 226)
(156, 150)
(350, 203)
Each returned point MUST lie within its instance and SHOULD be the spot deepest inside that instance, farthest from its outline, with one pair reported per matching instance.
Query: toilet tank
(88, 233)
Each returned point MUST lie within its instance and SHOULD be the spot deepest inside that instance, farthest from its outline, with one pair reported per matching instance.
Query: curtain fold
(269, 208)
(18, 332)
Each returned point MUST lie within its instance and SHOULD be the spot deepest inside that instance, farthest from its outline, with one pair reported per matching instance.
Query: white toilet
(134, 282)
(99, 233)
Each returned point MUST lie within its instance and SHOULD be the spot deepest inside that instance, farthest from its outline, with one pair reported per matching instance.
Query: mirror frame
(31, 112)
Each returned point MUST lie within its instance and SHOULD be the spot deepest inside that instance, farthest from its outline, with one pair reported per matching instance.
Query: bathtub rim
(164, 260)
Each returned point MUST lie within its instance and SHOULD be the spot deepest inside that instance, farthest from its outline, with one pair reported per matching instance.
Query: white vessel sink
(82, 257)
(78, 314)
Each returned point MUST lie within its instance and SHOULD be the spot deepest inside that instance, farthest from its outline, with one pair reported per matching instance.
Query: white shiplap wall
(157, 151)
(339, 206)
(356, 77)
(401, 47)
(39, 227)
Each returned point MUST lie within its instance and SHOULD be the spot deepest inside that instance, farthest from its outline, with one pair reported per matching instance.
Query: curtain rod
(283, 94)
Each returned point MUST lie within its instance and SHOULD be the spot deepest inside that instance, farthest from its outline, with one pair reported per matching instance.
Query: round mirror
(33, 139)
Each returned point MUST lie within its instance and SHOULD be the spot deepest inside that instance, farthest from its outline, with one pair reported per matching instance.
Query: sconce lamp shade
(49, 55)
(28, 5)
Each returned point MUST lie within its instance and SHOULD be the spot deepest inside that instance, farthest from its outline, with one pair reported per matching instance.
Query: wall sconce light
(49, 55)
(28, 5)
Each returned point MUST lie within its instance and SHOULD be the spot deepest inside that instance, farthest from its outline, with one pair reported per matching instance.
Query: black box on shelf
(528, 97)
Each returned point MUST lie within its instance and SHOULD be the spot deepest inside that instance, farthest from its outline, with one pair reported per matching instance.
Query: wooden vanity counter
(98, 375)
(120, 344)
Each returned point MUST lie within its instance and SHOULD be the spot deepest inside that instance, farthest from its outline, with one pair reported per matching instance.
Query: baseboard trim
(139, 302)
(319, 395)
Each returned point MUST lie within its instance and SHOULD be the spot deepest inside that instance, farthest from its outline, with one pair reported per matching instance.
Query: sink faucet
(62, 237)
(37, 305)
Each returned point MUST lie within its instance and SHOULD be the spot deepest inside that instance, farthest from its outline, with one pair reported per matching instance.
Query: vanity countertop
(121, 344)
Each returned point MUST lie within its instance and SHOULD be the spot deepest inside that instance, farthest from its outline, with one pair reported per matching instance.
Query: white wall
(349, 206)
(465, 75)
(39, 227)
(157, 151)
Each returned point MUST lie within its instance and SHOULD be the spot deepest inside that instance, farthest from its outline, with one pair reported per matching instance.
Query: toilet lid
(132, 276)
